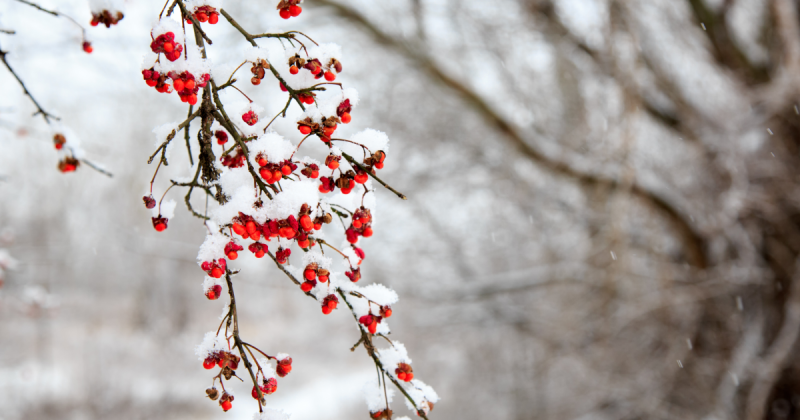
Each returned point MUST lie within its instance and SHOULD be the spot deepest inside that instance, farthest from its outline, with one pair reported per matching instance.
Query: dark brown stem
(364, 168)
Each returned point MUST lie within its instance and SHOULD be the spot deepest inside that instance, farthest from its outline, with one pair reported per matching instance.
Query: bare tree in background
(637, 258)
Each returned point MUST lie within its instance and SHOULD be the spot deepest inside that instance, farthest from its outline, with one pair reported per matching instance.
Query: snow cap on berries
(421, 393)
(393, 356)
(273, 146)
(211, 343)
(165, 25)
(213, 248)
(373, 394)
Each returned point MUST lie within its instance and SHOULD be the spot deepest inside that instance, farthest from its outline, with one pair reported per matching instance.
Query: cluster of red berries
(343, 111)
(232, 250)
(268, 386)
(68, 164)
(186, 86)
(282, 255)
(311, 170)
(234, 159)
(259, 70)
(223, 359)
(214, 292)
(258, 249)
(360, 226)
(106, 18)
(214, 268)
(289, 8)
(274, 172)
(87, 47)
(404, 372)
(323, 130)
(354, 274)
(165, 43)
(371, 321)
(315, 67)
(311, 274)
(222, 137)
(205, 14)
(329, 304)
(156, 80)
(250, 117)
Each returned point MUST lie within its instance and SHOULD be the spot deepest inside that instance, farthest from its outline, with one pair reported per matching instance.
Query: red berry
(87, 47)
(239, 229)
(294, 70)
(254, 393)
(330, 76)
(192, 99)
(209, 363)
(226, 405)
(310, 274)
(286, 170)
(361, 177)
(373, 327)
(367, 232)
(251, 227)
(306, 286)
(266, 174)
(213, 18)
(168, 47)
(346, 118)
(306, 223)
(409, 376)
(326, 309)
(189, 84)
(232, 255)
(202, 17)
(216, 272)
(295, 10)
(401, 376)
(283, 88)
(304, 130)
(285, 13)
(214, 292)
(387, 313)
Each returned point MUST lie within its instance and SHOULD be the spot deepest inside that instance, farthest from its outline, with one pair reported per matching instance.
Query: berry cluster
(205, 14)
(360, 226)
(259, 70)
(250, 117)
(186, 86)
(156, 80)
(289, 8)
(165, 43)
(68, 164)
(404, 372)
(106, 18)
(311, 170)
(324, 129)
(329, 304)
(311, 274)
(313, 65)
(274, 172)
(214, 268)
(234, 159)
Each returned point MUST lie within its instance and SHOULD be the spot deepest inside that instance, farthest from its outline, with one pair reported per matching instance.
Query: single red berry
(87, 47)
(330, 76)
(326, 309)
(286, 170)
(361, 177)
(214, 292)
(216, 272)
(189, 84)
(283, 88)
(346, 118)
(294, 70)
(202, 17)
(295, 10)
(178, 84)
(401, 376)
(168, 47)
(213, 18)
(310, 274)
(226, 405)
(239, 229)
(306, 223)
(306, 286)
(367, 232)
(209, 363)
(304, 130)
(285, 13)
(192, 99)
(373, 327)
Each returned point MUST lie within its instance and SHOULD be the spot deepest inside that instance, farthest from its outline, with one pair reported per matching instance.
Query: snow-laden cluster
(273, 199)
